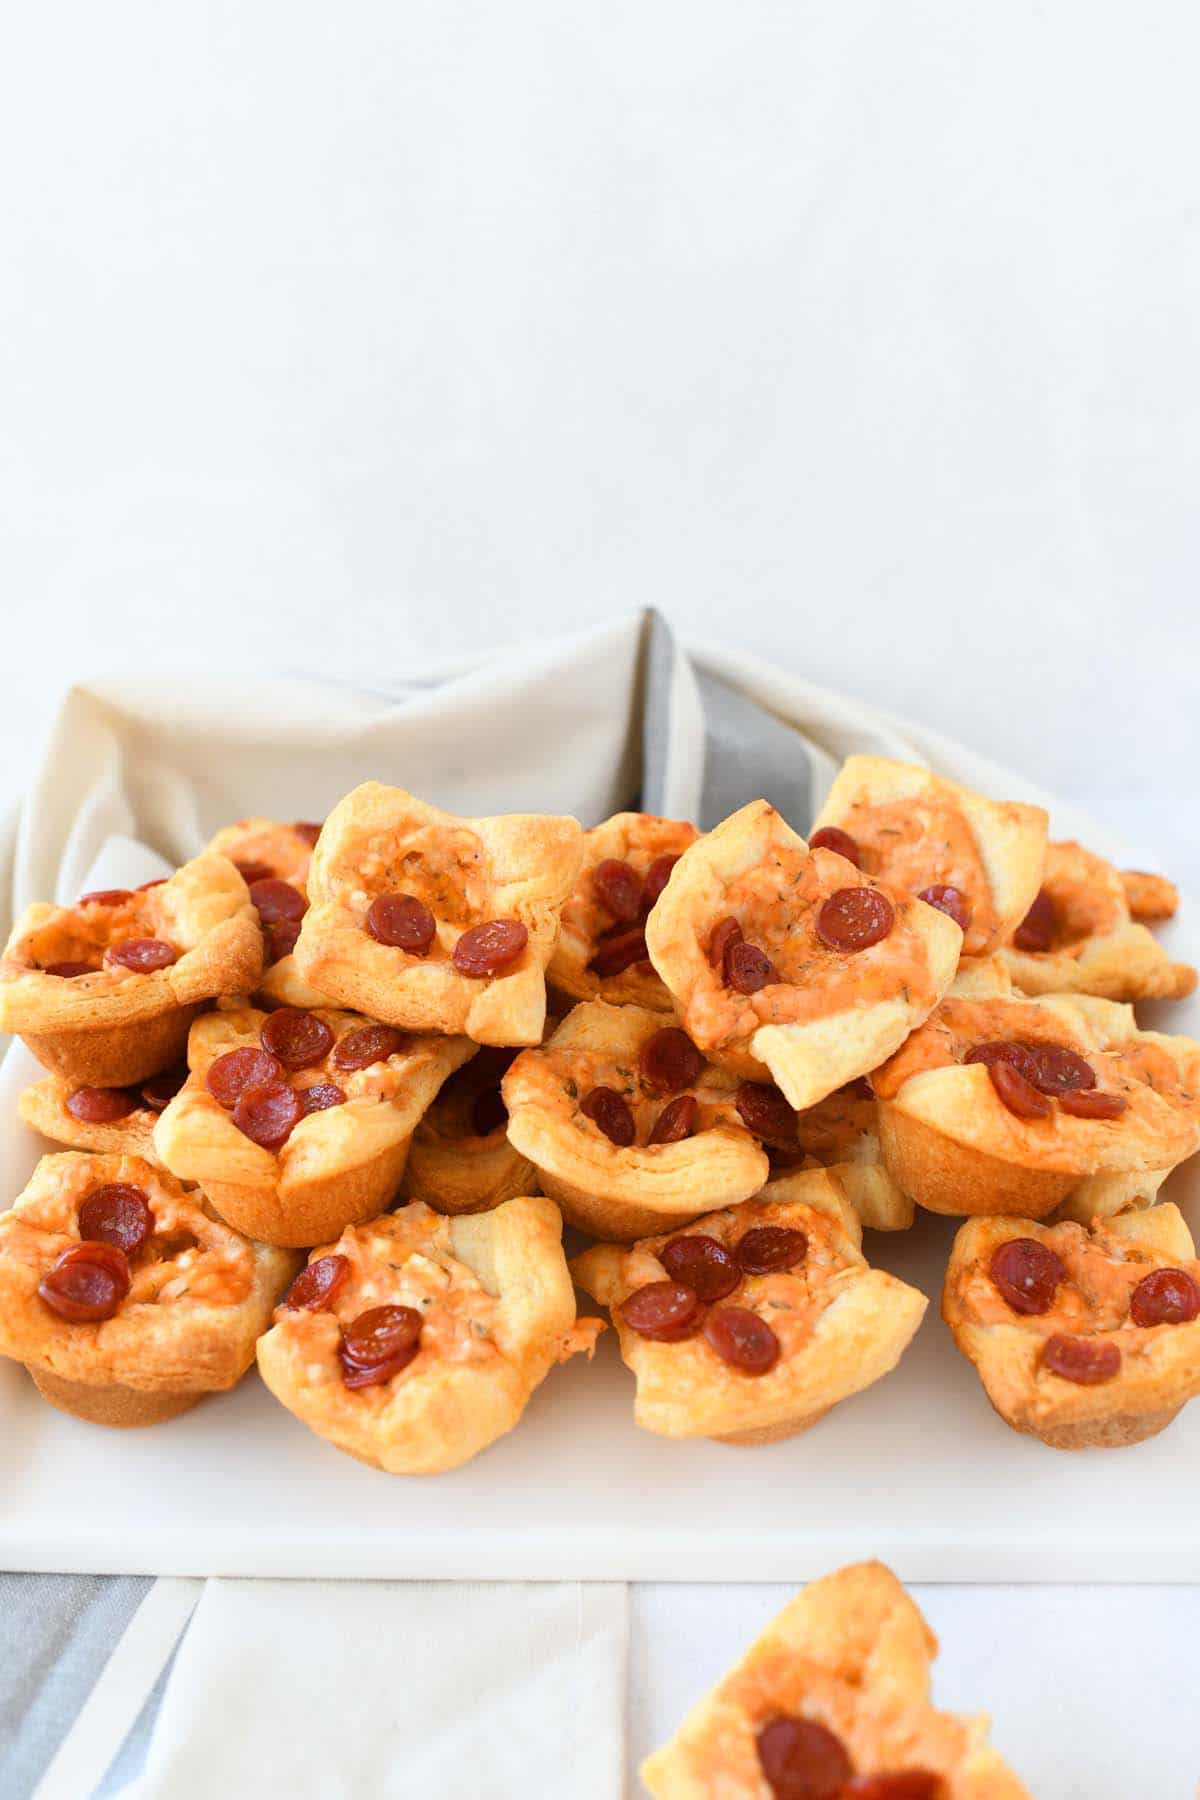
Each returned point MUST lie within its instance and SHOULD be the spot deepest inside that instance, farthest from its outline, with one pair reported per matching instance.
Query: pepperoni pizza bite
(1083, 932)
(749, 1324)
(436, 923)
(601, 951)
(103, 992)
(1085, 1336)
(631, 1130)
(792, 966)
(297, 1124)
(832, 1702)
(115, 1121)
(125, 1297)
(415, 1341)
(979, 861)
(272, 858)
(1015, 1105)
(461, 1160)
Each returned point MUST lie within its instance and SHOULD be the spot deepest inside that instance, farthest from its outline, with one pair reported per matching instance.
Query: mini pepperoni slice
(378, 1344)
(403, 922)
(764, 1111)
(1027, 1273)
(701, 1263)
(742, 1339)
(320, 1097)
(618, 952)
(368, 1044)
(276, 900)
(118, 1214)
(142, 955)
(670, 1061)
(764, 1249)
(1088, 1362)
(86, 1283)
(105, 897)
(832, 837)
(268, 1113)
(298, 1039)
(904, 1784)
(1165, 1297)
(1020, 1096)
(490, 948)
(609, 1111)
(251, 871)
(102, 1106)
(854, 918)
(318, 1284)
(281, 939)
(747, 968)
(308, 830)
(950, 900)
(724, 933)
(160, 1090)
(67, 971)
(1093, 1104)
(229, 1075)
(801, 1759)
(1057, 1070)
(1037, 929)
(663, 1311)
(992, 1050)
(656, 878)
(618, 887)
(676, 1121)
(488, 1112)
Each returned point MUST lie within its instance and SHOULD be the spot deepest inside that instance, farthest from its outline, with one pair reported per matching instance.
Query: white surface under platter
(918, 1470)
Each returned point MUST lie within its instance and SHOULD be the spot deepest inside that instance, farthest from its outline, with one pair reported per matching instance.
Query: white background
(864, 335)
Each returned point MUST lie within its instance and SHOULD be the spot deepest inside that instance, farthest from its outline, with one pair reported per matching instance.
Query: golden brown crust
(833, 1015)
(1149, 896)
(284, 852)
(44, 1106)
(453, 1167)
(378, 840)
(841, 1134)
(120, 1407)
(853, 1654)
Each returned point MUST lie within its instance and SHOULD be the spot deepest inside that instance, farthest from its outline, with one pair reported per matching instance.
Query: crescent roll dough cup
(467, 872)
(624, 1190)
(338, 1166)
(267, 849)
(1157, 1366)
(590, 928)
(827, 1015)
(453, 1165)
(916, 830)
(851, 1656)
(1087, 940)
(496, 1312)
(841, 1134)
(951, 1142)
(44, 1106)
(113, 1025)
(199, 1296)
(840, 1324)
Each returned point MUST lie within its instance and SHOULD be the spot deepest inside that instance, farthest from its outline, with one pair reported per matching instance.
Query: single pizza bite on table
(103, 992)
(1085, 1336)
(416, 1340)
(833, 1702)
(118, 1121)
(125, 1297)
(630, 1129)
(461, 1160)
(1084, 933)
(601, 951)
(436, 923)
(272, 859)
(793, 966)
(749, 1324)
(297, 1124)
(979, 861)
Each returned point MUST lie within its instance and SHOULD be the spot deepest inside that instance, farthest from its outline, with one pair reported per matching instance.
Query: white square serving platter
(918, 1470)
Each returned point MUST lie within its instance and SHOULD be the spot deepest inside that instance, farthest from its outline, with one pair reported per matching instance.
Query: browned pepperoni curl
(86, 1283)
(1016, 1093)
(101, 1106)
(230, 1074)
(1036, 930)
(251, 871)
(268, 1114)
(306, 829)
(724, 933)
(369, 1044)
(160, 1090)
(832, 837)
(276, 900)
(402, 921)
(676, 1121)
(618, 951)
(106, 897)
(663, 1311)
(670, 1061)
(742, 1339)
(701, 1263)
(320, 1097)
(854, 918)
(1166, 1297)
(281, 939)
(1021, 1057)
(490, 948)
(802, 1760)
(117, 1214)
(488, 1113)
(766, 1248)
(1058, 1070)
(298, 1039)
(657, 877)
(1027, 1273)
(618, 889)
(378, 1344)
(905, 1784)
(764, 1111)
(317, 1285)
(68, 970)
(1086, 1361)
(950, 900)
(610, 1112)
(1093, 1104)
(142, 955)
(747, 968)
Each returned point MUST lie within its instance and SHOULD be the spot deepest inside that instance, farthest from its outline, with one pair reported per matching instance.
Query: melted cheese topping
(83, 933)
(923, 842)
(584, 917)
(278, 847)
(444, 866)
(559, 1078)
(1089, 898)
(383, 1081)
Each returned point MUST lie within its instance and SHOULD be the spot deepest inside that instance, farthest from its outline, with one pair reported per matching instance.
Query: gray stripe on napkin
(749, 754)
(658, 669)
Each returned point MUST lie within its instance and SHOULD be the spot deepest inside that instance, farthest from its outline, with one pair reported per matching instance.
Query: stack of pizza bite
(330, 1092)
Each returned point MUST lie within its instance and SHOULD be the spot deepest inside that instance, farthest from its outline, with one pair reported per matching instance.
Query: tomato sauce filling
(79, 939)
